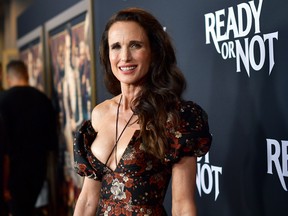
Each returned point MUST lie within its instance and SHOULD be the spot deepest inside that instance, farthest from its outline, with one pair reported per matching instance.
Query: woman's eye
(136, 45)
(115, 46)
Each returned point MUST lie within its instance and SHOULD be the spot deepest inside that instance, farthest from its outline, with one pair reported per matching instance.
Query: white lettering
(270, 38)
(205, 188)
(216, 170)
(285, 158)
(231, 24)
(215, 23)
(207, 177)
(210, 29)
(224, 51)
(260, 41)
(247, 55)
(231, 49)
(249, 52)
(273, 157)
(241, 8)
(256, 14)
(243, 55)
(219, 25)
(227, 50)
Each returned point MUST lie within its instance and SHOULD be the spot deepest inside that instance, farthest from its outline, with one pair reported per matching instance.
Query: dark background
(243, 111)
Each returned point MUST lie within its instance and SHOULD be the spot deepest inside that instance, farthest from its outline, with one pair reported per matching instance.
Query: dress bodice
(138, 184)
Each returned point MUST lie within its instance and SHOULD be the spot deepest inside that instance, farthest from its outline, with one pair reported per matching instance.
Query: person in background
(3, 145)
(30, 123)
(144, 135)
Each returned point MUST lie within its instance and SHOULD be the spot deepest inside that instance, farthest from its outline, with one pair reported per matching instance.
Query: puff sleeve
(192, 136)
(83, 140)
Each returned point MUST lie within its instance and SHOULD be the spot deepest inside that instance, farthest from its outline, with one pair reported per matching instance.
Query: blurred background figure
(3, 144)
(30, 123)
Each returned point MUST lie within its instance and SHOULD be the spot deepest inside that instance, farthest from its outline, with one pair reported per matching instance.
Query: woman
(145, 134)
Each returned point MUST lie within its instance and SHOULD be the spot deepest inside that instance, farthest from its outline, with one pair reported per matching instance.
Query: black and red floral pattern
(138, 184)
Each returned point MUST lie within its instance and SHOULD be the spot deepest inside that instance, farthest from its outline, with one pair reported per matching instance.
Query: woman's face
(129, 52)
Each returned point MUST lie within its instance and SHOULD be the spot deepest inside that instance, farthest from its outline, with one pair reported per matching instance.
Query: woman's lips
(127, 69)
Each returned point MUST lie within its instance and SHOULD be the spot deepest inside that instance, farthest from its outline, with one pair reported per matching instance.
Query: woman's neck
(128, 95)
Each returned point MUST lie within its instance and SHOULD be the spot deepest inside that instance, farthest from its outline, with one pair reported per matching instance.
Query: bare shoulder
(102, 112)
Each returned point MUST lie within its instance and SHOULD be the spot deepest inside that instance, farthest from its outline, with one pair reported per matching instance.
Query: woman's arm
(88, 199)
(183, 187)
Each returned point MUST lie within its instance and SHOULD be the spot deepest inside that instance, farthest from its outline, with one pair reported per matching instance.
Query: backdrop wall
(234, 57)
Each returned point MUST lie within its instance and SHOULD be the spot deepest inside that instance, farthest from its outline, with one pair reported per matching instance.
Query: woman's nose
(125, 55)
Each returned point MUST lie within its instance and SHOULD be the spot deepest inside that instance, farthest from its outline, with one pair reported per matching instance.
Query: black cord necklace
(118, 138)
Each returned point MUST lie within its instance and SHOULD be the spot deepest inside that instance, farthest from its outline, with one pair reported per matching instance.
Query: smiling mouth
(127, 68)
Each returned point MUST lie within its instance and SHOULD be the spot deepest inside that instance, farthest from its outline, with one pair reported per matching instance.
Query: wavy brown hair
(161, 92)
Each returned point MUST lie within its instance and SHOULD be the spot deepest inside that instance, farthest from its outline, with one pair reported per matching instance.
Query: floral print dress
(138, 185)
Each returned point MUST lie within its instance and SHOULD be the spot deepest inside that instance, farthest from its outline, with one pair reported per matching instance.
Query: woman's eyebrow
(114, 44)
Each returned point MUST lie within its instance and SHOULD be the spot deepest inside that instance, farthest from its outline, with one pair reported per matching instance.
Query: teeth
(127, 68)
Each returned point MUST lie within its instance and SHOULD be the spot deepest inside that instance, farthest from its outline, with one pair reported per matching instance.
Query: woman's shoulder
(187, 107)
(104, 107)
(102, 110)
(192, 136)
(101, 107)
(193, 116)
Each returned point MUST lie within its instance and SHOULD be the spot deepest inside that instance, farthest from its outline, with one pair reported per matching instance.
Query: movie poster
(71, 71)
(32, 55)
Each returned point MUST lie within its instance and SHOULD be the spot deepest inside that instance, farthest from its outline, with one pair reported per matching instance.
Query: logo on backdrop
(277, 155)
(228, 28)
(207, 176)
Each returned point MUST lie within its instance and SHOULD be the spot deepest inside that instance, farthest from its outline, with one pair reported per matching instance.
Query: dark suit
(3, 145)
(30, 123)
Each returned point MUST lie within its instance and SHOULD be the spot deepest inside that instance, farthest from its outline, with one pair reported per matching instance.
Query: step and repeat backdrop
(234, 57)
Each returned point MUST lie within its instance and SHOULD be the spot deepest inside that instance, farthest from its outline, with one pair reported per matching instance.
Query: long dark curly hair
(156, 103)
